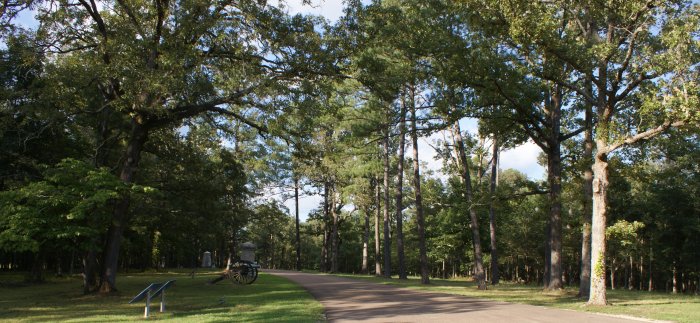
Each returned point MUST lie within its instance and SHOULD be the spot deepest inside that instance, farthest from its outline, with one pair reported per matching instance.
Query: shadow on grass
(191, 299)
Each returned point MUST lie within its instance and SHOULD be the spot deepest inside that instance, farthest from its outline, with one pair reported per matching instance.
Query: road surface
(350, 300)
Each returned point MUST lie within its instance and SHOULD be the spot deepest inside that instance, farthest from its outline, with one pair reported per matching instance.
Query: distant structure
(206, 259)
(248, 251)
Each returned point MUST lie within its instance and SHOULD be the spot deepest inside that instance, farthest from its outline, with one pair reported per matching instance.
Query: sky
(330, 9)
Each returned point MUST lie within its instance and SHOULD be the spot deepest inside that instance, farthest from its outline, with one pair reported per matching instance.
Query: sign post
(153, 290)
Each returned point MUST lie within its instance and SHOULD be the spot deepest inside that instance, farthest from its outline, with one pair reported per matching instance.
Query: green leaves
(624, 232)
(66, 208)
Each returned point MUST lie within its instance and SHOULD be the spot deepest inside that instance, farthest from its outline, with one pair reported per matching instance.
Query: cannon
(243, 272)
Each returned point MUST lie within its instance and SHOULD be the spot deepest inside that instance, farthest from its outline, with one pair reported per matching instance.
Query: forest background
(138, 134)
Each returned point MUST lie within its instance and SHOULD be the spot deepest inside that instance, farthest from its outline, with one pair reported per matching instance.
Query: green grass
(658, 306)
(270, 298)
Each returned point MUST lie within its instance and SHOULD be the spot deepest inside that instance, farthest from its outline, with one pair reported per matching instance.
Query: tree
(466, 181)
(64, 210)
(399, 193)
(634, 70)
(162, 62)
(504, 82)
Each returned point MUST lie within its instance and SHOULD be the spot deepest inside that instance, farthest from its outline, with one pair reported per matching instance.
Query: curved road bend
(348, 300)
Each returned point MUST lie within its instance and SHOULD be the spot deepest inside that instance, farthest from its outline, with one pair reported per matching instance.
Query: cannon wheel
(244, 272)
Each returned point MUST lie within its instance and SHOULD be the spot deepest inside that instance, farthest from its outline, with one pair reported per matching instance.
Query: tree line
(137, 134)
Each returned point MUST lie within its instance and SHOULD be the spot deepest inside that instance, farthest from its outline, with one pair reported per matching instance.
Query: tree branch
(634, 84)
(643, 135)
(512, 196)
(572, 134)
(132, 17)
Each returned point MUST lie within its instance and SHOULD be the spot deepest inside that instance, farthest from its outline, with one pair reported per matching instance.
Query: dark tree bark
(423, 256)
(137, 139)
(495, 275)
(674, 270)
(334, 231)
(651, 281)
(585, 279)
(399, 196)
(547, 254)
(377, 237)
(90, 271)
(365, 243)
(479, 273)
(554, 179)
(296, 218)
(36, 273)
(231, 248)
(387, 222)
(324, 247)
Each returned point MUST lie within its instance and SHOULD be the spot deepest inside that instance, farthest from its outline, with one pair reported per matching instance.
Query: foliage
(194, 119)
(64, 210)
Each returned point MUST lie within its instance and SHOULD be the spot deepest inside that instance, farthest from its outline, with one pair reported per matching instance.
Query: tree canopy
(139, 134)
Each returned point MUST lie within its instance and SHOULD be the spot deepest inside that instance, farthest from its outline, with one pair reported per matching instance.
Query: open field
(657, 306)
(270, 298)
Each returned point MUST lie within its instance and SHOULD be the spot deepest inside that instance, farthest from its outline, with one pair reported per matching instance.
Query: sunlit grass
(270, 298)
(658, 306)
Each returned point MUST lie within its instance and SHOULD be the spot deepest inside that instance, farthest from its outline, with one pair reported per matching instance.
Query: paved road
(348, 300)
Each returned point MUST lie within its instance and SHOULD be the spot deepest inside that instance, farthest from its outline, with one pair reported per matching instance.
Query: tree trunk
(547, 253)
(598, 243)
(36, 273)
(585, 277)
(554, 178)
(71, 265)
(495, 275)
(296, 218)
(90, 271)
(231, 249)
(479, 274)
(675, 279)
(365, 244)
(612, 275)
(630, 278)
(399, 195)
(326, 216)
(641, 273)
(424, 271)
(334, 231)
(387, 222)
(120, 217)
(651, 285)
(377, 237)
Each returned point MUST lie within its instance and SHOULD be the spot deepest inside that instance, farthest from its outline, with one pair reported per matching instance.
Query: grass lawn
(270, 298)
(658, 306)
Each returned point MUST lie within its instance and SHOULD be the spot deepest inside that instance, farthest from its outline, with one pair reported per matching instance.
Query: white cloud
(524, 159)
(306, 204)
(330, 9)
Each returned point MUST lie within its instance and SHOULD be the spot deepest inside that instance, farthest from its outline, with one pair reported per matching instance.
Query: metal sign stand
(162, 302)
(153, 290)
(147, 310)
